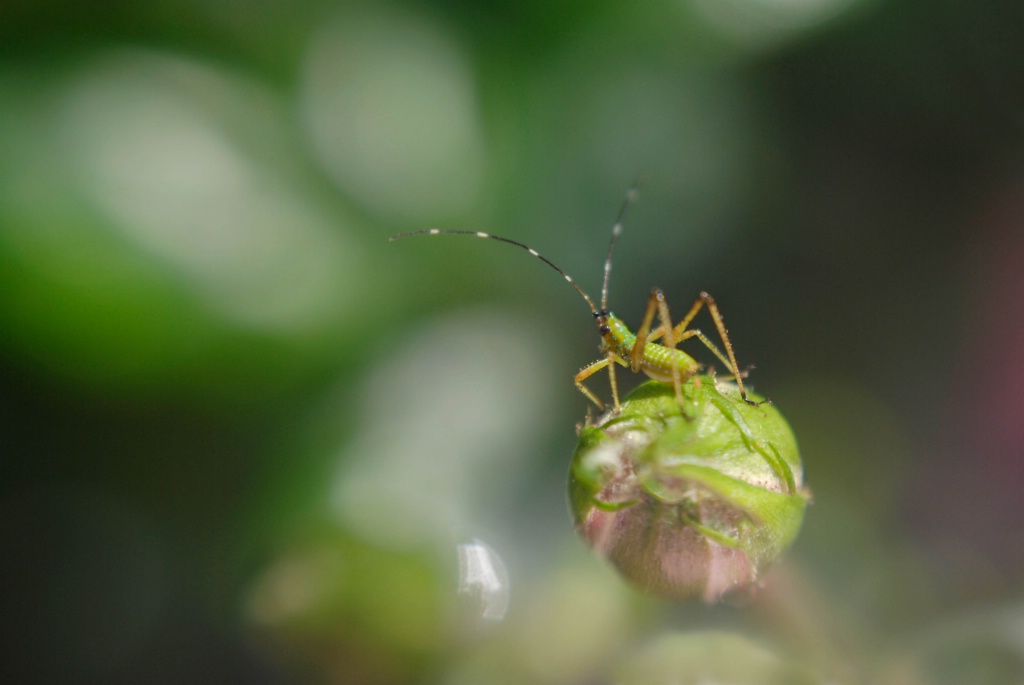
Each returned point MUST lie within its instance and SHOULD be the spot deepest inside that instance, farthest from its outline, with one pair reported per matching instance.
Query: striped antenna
(630, 198)
(538, 255)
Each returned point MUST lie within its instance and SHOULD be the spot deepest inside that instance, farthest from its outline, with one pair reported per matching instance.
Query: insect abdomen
(658, 360)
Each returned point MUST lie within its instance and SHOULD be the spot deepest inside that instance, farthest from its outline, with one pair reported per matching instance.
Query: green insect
(639, 351)
(689, 487)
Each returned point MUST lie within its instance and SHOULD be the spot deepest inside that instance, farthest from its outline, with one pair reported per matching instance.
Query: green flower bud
(688, 505)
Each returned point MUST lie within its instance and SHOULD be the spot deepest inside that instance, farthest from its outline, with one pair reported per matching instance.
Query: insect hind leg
(682, 332)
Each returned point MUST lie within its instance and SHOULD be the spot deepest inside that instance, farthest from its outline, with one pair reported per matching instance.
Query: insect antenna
(630, 198)
(538, 255)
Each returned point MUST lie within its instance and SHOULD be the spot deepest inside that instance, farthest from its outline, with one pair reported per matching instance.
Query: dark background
(242, 435)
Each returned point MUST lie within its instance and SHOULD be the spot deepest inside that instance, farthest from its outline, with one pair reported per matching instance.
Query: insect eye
(600, 313)
(604, 329)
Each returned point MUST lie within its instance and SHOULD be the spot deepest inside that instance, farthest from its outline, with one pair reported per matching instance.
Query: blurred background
(244, 439)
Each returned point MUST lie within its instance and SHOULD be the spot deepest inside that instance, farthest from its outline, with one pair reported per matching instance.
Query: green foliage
(709, 657)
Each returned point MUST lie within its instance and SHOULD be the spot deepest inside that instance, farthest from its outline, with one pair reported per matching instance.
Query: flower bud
(691, 503)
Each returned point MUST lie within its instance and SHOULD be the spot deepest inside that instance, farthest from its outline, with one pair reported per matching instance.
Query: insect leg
(656, 302)
(588, 371)
(670, 342)
(696, 333)
(706, 300)
(637, 353)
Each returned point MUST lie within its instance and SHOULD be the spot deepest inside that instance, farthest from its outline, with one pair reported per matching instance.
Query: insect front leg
(588, 371)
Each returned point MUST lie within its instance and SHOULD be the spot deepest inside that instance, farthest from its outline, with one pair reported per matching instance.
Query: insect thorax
(619, 338)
